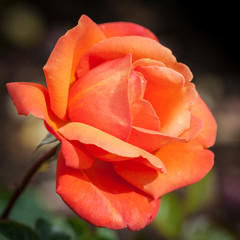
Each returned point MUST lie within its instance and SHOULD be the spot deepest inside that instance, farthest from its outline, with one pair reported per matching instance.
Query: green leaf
(78, 225)
(3, 238)
(84, 231)
(62, 223)
(29, 208)
(170, 216)
(16, 231)
(47, 231)
(43, 229)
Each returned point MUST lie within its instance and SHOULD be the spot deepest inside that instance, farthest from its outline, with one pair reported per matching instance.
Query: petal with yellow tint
(61, 66)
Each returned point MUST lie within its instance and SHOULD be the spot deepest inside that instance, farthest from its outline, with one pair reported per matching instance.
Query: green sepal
(49, 138)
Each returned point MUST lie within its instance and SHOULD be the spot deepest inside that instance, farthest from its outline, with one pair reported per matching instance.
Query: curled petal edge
(89, 135)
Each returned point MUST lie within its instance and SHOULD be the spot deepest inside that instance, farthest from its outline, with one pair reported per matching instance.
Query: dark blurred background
(202, 34)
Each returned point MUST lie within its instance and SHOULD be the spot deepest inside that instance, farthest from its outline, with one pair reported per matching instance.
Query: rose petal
(207, 136)
(139, 47)
(89, 135)
(100, 98)
(170, 98)
(101, 197)
(164, 77)
(62, 63)
(33, 98)
(117, 47)
(144, 116)
(75, 155)
(150, 140)
(136, 87)
(196, 126)
(142, 112)
(184, 70)
(179, 67)
(120, 29)
(186, 163)
(143, 62)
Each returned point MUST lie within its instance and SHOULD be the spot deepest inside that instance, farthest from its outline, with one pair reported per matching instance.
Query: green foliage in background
(75, 229)
(184, 214)
(28, 208)
(30, 220)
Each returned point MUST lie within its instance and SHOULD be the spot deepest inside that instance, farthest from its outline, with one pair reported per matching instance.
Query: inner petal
(100, 98)
(142, 112)
(170, 96)
(151, 140)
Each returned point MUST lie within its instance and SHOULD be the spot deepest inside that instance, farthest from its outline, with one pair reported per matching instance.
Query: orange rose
(131, 124)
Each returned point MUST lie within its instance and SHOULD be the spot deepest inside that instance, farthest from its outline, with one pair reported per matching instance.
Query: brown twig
(25, 180)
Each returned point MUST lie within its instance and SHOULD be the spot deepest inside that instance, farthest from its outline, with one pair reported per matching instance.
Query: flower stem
(25, 180)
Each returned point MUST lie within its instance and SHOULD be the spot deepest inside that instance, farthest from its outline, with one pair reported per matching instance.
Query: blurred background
(203, 35)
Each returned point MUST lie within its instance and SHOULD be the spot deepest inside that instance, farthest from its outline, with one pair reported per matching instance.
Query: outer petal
(90, 135)
(207, 136)
(139, 47)
(62, 63)
(101, 197)
(184, 70)
(74, 153)
(186, 163)
(100, 98)
(117, 47)
(32, 98)
(120, 29)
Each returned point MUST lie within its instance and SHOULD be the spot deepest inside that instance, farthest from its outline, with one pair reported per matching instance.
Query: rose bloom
(131, 124)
